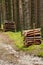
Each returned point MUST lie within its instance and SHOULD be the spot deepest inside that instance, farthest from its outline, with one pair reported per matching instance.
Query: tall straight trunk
(6, 9)
(3, 10)
(0, 15)
(38, 13)
(35, 13)
(27, 13)
(11, 10)
(15, 13)
(41, 14)
(21, 14)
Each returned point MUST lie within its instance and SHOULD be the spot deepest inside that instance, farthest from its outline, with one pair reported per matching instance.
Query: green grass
(18, 41)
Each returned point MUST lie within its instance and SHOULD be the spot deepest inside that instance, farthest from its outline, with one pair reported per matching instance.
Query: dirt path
(4, 38)
(8, 55)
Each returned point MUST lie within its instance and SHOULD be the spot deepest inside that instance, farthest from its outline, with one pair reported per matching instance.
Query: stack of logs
(32, 36)
(9, 26)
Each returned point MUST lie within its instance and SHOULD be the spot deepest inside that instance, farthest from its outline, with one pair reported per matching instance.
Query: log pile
(9, 26)
(32, 36)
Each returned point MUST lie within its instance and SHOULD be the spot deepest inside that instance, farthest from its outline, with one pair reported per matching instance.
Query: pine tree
(21, 15)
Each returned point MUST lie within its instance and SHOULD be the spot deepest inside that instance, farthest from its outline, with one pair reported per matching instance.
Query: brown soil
(5, 38)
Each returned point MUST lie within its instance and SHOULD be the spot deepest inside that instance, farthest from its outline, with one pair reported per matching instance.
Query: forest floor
(18, 41)
(11, 55)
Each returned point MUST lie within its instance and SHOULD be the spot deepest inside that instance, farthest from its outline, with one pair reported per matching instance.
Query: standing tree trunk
(26, 13)
(11, 10)
(21, 14)
(0, 15)
(15, 14)
(3, 10)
